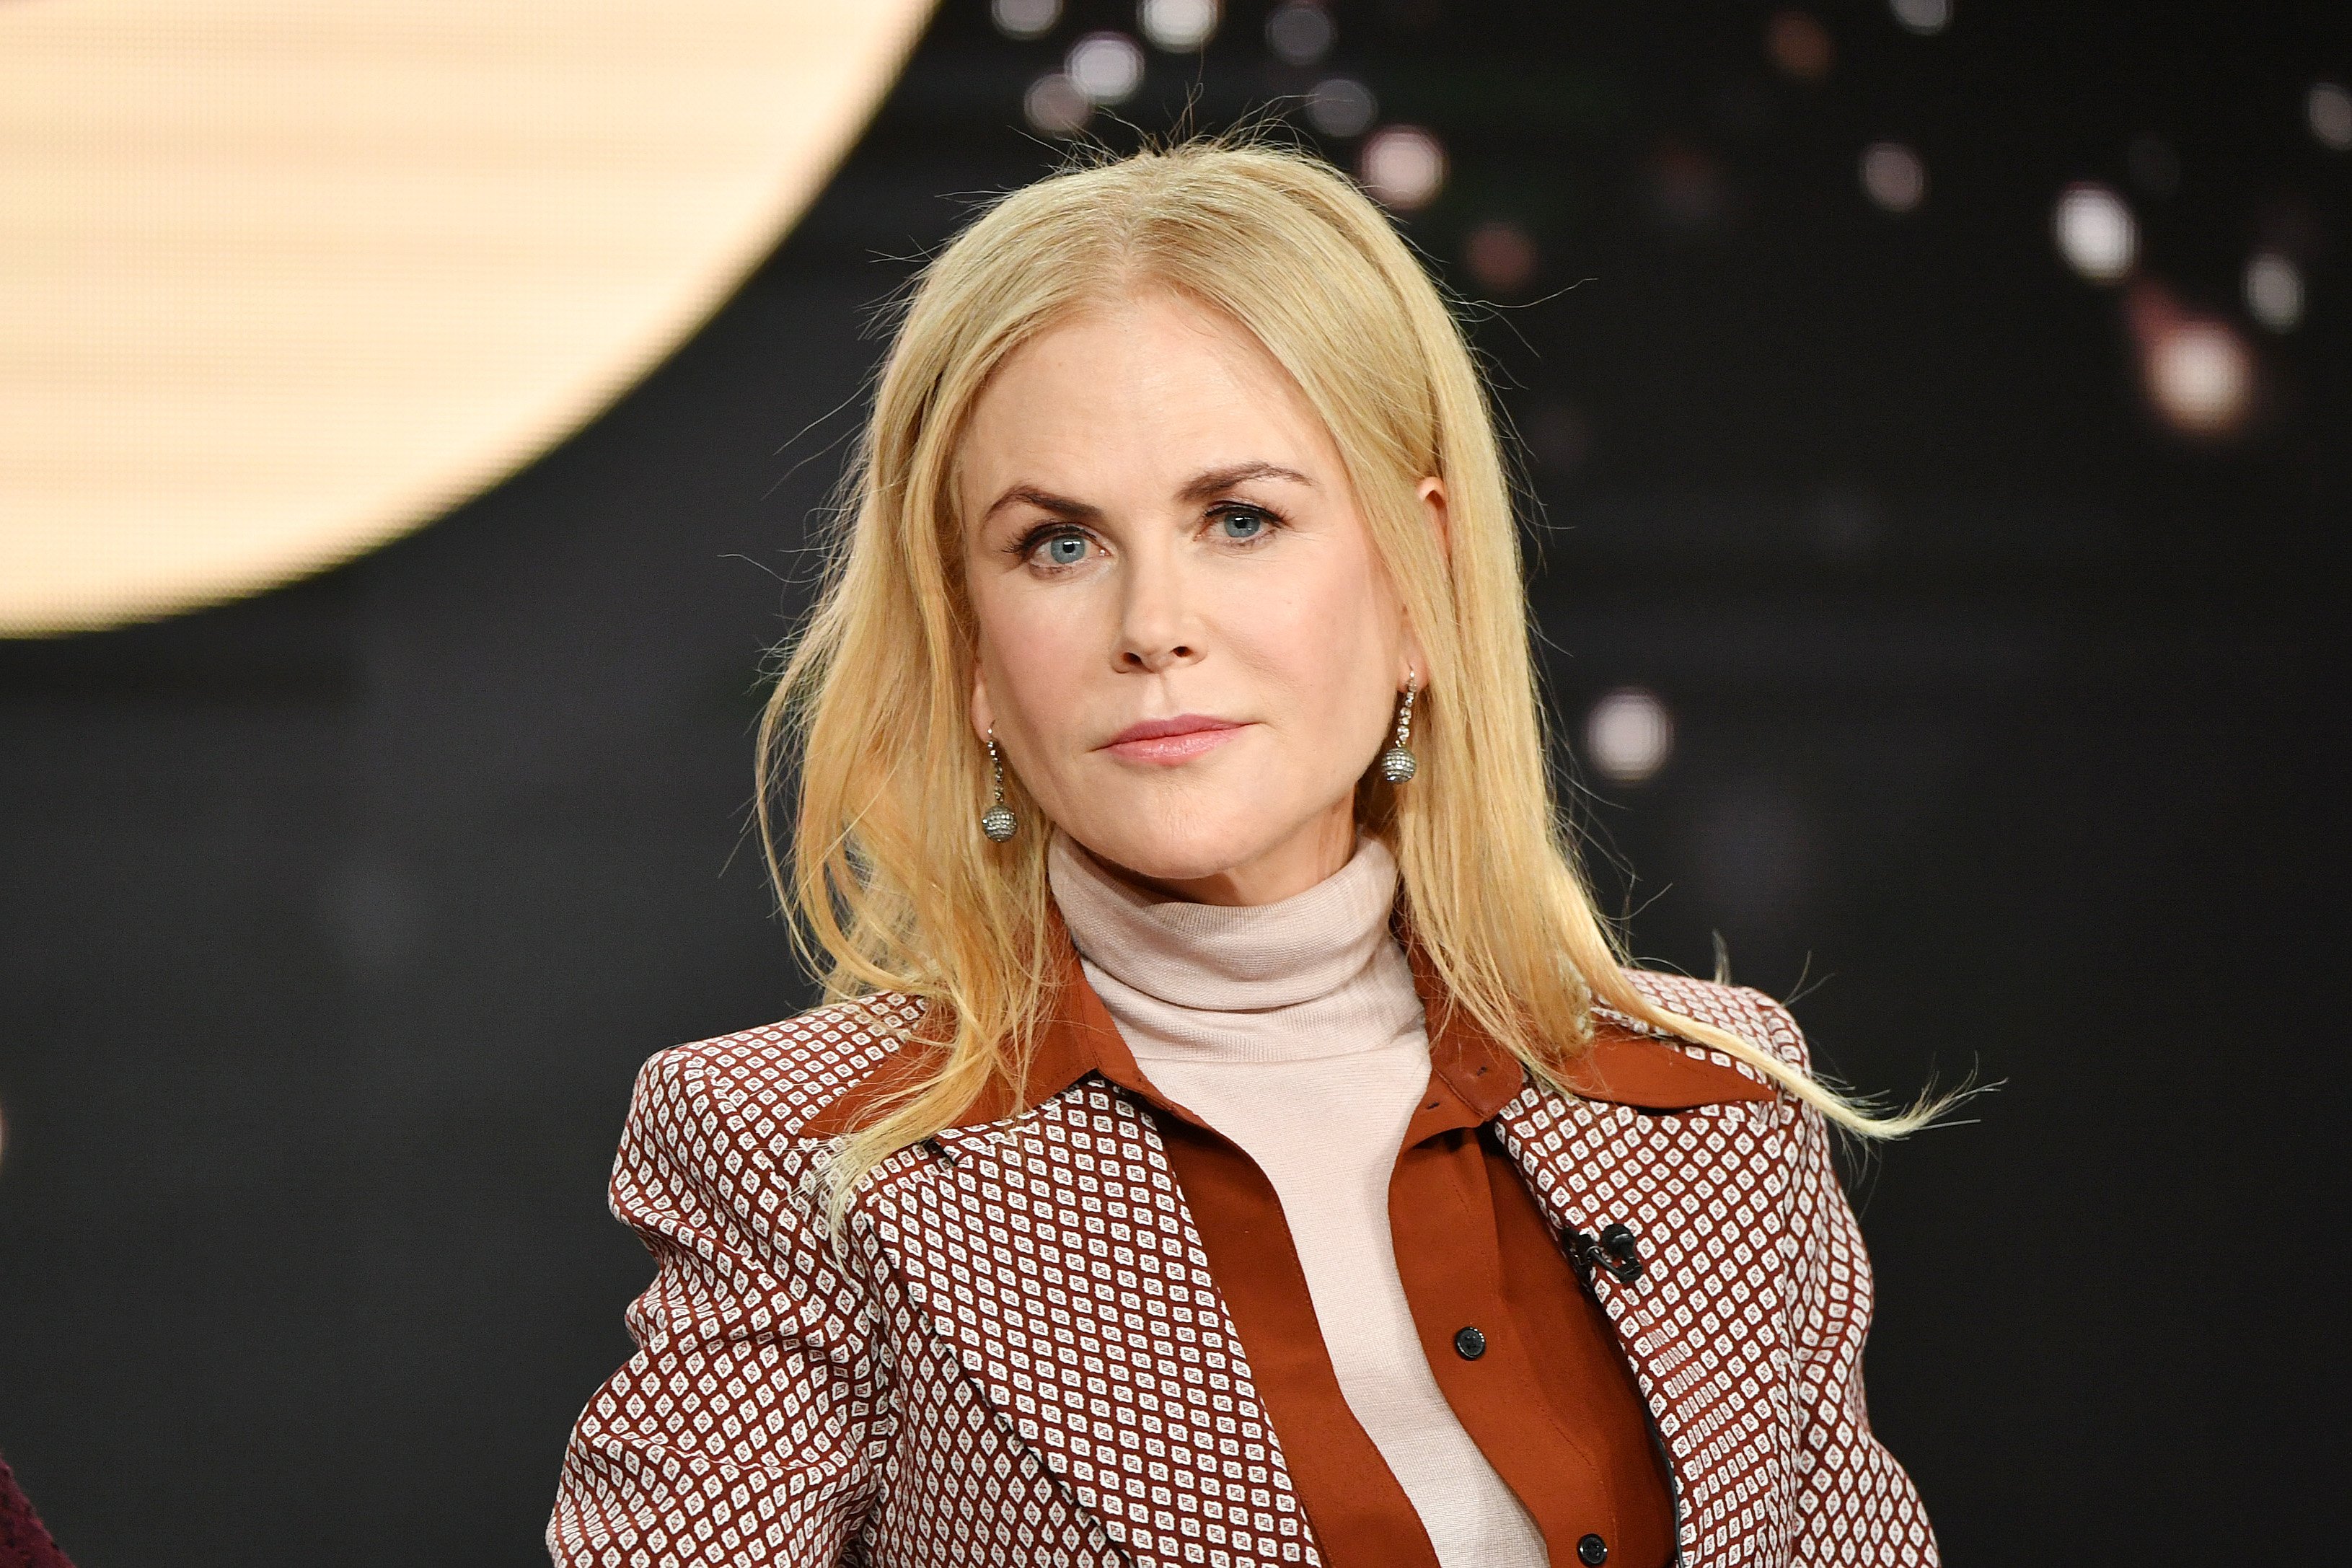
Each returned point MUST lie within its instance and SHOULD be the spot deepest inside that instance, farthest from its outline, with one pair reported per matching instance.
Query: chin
(1172, 842)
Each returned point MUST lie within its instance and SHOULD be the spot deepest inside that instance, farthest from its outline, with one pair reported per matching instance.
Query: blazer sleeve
(747, 1429)
(1855, 1503)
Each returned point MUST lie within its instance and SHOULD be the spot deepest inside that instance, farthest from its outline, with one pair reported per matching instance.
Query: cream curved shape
(281, 280)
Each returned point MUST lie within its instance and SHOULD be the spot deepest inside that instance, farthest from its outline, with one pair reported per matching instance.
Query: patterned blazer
(1013, 1353)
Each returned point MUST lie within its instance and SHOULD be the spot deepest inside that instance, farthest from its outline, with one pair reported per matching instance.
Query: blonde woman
(1234, 1140)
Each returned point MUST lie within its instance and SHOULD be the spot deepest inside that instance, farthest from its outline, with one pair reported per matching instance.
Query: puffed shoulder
(1740, 1010)
(784, 1074)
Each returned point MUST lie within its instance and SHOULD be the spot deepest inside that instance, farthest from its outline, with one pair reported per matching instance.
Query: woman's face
(1187, 647)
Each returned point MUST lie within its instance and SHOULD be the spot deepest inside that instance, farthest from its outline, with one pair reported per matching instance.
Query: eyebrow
(1200, 486)
(1216, 481)
(1043, 501)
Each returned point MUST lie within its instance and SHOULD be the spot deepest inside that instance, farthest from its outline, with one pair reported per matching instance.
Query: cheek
(1319, 636)
(1324, 629)
(1032, 651)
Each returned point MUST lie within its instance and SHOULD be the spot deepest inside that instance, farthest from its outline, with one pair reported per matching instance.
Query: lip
(1176, 740)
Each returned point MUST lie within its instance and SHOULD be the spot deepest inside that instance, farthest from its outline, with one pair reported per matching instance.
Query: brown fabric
(1574, 1358)
(1618, 1067)
(1357, 1510)
(1551, 1403)
(1550, 1400)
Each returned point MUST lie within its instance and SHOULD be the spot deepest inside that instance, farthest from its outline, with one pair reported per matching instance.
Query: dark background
(337, 921)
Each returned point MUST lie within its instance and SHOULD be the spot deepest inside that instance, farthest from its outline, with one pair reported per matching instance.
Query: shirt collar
(1471, 1075)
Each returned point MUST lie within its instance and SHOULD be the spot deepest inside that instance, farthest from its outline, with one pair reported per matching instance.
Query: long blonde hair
(893, 885)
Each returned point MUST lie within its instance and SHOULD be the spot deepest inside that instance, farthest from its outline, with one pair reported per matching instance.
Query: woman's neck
(1316, 974)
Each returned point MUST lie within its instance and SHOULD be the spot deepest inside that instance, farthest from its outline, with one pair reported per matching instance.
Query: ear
(1431, 492)
(983, 716)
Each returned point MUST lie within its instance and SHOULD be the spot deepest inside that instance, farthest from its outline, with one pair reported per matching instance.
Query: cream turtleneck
(1294, 1029)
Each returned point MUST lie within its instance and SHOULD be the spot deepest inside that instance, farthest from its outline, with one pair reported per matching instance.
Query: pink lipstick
(1177, 740)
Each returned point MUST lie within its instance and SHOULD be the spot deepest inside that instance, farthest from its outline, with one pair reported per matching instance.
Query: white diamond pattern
(1055, 1254)
(1745, 1327)
(1017, 1356)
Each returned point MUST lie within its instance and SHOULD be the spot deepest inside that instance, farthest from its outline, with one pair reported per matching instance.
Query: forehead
(1138, 393)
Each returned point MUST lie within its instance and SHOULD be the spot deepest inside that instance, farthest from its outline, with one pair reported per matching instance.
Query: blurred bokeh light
(1403, 167)
(1025, 19)
(2095, 232)
(1800, 46)
(2328, 107)
(1501, 255)
(1342, 107)
(2275, 291)
(1179, 26)
(1057, 106)
(1105, 67)
(1893, 176)
(1926, 17)
(1300, 32)
(2198, 370)
(1629, 735)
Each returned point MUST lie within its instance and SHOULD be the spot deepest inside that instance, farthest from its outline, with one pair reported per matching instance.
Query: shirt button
(1592, 1551)
(1469, 1344)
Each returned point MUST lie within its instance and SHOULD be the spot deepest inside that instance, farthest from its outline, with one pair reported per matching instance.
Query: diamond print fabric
(1745, 1329)
(1057, 1257)
(1017, 1356)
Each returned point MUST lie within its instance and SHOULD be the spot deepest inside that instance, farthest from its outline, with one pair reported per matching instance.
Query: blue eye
(1243, 525)
(1065, 549)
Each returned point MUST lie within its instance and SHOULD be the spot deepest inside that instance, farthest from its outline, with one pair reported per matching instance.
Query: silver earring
(998, 821)
(1396, 763)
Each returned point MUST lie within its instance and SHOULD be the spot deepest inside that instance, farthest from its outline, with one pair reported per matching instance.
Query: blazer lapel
(1053, 1252)
(1703, 1323)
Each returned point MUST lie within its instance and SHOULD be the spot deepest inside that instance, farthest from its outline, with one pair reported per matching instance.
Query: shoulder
(782, 1075)
(1740, 1010)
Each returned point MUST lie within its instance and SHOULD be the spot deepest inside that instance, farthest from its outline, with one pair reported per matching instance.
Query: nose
(1157, 629)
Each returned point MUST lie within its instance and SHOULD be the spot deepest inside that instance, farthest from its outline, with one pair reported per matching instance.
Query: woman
(1234, 1140)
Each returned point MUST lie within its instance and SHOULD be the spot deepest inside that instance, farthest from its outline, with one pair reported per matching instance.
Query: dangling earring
(1396, 763)
(998, 821)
